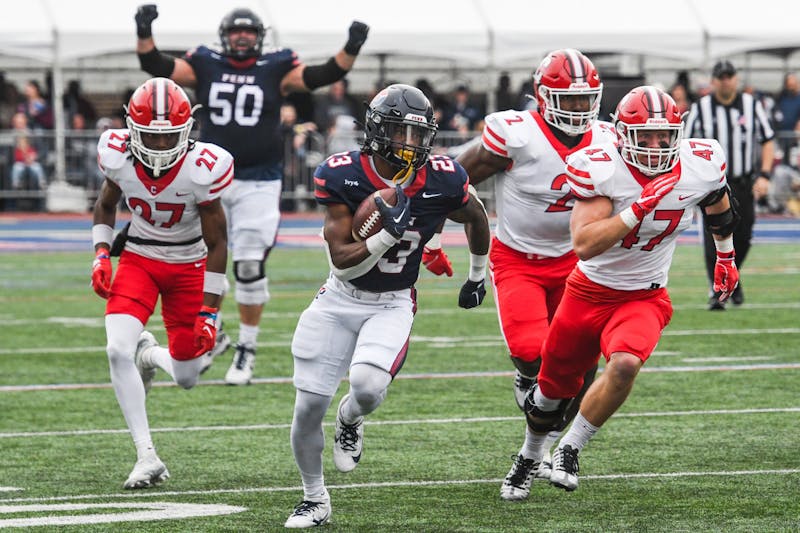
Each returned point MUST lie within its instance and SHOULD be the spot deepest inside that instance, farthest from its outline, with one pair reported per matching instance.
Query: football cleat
(146, 473)
(522, 384)
(241, 370)
(565, 468)
(221, 345)
(517, 484)
(348, 441)
(545, 467)
(310, 513)
(146, 370)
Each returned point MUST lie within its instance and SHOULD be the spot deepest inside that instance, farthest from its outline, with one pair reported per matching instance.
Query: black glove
(357, 38)
(145, 16)
(472, 294)
(395, 219)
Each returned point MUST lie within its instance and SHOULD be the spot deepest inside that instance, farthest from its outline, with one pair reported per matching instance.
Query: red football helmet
(159, 107)
(649, 108)
(567, 73)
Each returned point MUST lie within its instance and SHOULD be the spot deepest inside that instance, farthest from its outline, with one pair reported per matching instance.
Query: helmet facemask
(155, 159)
(651, 161)
(405, 143)
(243, 19)
(570, 122)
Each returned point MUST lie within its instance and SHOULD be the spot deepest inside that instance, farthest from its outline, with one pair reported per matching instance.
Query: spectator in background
(342, 136)
(787, 113)
(37, 109)
(81, 152)
(9, 102)
(76, 103)
(503, 99)
(462, 114)
(335, 103)
(681, 97)
(738, 121)
(27, 172)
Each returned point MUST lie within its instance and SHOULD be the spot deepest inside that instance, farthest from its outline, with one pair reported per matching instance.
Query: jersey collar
(558, 146)
(155, 186)
(643, 179)
(379, 183)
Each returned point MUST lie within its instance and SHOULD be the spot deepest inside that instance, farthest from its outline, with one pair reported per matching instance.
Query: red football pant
(137, 285)
(593, 319)
(527, 290)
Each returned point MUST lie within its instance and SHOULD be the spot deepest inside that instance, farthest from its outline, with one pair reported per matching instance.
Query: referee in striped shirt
(738, 121)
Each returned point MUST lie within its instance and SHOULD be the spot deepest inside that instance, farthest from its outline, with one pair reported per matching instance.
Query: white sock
(552, 437)
(533, 448)
(159, 356)
(580, 432)
(145, 450)
(248, 334)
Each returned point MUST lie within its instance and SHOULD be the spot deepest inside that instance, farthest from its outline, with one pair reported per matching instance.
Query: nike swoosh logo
(198, 265)
(357, 458)
(400, 216)
(684, 196)
(262, 62)
(182, 193)
(431, 195)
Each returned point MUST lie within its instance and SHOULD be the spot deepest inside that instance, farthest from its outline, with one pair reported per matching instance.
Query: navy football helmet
(400, 127)
(242, 18)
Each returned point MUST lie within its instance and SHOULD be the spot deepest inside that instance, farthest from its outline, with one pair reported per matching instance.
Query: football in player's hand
(367, 218)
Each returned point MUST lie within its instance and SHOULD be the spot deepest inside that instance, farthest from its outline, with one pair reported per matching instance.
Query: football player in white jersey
(531, 254)
(633, 200)
(175, 249)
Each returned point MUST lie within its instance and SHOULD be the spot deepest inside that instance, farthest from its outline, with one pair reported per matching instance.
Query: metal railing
(30, 187)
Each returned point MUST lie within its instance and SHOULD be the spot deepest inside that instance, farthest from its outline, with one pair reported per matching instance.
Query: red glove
(726, 276)
(205, 330)
(101, 273)
(652, 193)
(436, 261)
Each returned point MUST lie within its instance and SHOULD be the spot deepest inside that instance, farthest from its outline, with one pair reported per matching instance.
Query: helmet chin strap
(403, 174)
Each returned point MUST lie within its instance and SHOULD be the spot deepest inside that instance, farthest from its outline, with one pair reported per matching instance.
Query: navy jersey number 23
(439, 188)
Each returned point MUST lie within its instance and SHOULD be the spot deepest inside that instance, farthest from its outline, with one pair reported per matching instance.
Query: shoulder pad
(216, 164)
(606, 133)
(508, 128)
(705, 155)
(112, 149)
(585, 172)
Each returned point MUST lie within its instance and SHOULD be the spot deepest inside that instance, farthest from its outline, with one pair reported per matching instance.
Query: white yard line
(389, 484)
(423, 421)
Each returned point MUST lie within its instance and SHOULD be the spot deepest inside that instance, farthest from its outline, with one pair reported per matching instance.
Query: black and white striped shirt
(737, 127)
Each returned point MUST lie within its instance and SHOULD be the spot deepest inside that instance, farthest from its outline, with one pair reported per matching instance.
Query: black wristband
(157, 64)
(319, 75)
(765, 174)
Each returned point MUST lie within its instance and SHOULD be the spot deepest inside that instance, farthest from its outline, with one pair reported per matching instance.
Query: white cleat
(348, 441)
(565, 468)
(146, 371)
(517, 484)
(545, 467)
(241, 370)
(146, 473)
(310, 513)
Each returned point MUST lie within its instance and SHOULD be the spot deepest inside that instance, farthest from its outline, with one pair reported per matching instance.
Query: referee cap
(723, 68)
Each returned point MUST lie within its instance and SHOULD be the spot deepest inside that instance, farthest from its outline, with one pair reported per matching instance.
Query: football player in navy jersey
(360, 320)
(241, 89)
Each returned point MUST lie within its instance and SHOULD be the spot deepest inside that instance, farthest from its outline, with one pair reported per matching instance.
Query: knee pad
(251, 283)
(368, 385)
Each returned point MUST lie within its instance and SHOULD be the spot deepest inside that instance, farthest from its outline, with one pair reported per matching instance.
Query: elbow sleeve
(318, 75)
(157, 64)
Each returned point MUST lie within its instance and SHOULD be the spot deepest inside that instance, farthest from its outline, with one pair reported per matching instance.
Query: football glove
(395, 219)
(726, 275)
(145, 16)
(472, 294)
(437, 261)
(101, 273)
(205, 330)
(356, 38)
(652, 193)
